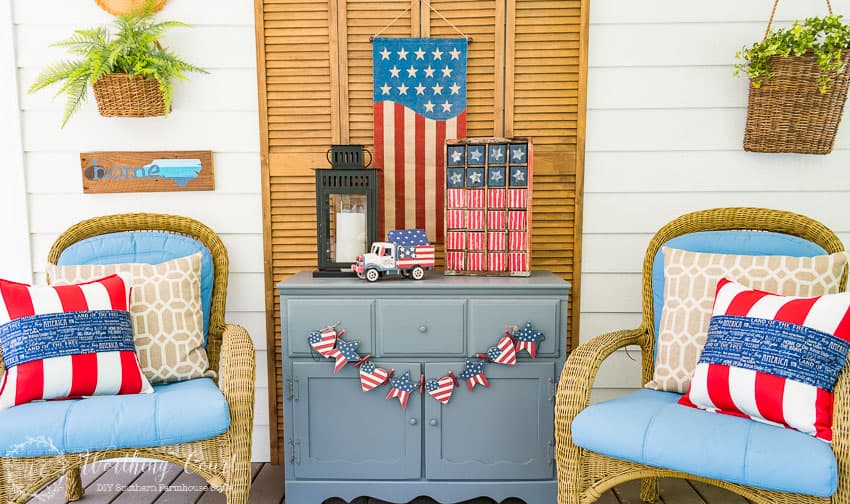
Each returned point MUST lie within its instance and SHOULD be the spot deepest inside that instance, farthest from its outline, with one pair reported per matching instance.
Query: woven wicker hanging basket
(788, 113)
(122, 95)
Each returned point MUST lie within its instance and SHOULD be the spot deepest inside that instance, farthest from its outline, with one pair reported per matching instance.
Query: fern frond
(76, 96)
(54, 73)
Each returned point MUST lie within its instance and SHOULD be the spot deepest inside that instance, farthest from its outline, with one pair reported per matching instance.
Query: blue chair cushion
(754, 243)
(648, 427)
(151, 247)
(175, 413)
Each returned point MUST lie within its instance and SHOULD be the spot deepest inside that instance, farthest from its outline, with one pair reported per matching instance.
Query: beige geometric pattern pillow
(690, 281)
(165, 306)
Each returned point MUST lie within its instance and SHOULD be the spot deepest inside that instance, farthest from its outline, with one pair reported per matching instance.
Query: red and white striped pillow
(69, 341)
(772, 358)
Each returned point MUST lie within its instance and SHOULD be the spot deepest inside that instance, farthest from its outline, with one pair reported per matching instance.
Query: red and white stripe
(455, 198)
(475, 240)
(765, 397)
(475, 219)
(402, 396)
(496, 240)
(518, 241)
(517, 198)
(411, 151)
(497, 261)
(496, 219)
(70, 376)
(325, 346)
(424, 256)
(508, 349)
(455, 219)
(517, 219)
(369, 381)
(475, 198)
(478, 379)
(341, 361)
(444, 391)
(455, 240)
(496, 198)
(475, 261)
(518, 261)
(454, 261)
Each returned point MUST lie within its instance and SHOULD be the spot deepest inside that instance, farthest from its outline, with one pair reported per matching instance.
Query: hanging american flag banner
(420, 101)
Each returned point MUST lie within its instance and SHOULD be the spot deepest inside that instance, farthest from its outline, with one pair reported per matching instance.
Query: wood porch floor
(119, 483)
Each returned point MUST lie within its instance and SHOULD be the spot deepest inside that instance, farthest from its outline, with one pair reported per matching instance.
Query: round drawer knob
(423, 328)
(433, 422)
(412, 421)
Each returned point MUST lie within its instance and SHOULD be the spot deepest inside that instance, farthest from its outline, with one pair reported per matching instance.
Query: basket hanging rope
(787, 112)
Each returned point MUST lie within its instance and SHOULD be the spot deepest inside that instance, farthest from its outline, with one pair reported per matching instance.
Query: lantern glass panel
(347, 232)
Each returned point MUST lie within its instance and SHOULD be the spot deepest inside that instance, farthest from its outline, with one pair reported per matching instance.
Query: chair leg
(649, 489)
(73, 485)
(238, 483)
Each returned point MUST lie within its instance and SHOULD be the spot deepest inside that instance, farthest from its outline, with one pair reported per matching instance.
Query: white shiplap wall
(665, 125)
(215, 112)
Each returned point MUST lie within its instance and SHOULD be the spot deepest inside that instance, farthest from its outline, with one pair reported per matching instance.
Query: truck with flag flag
(406, 252)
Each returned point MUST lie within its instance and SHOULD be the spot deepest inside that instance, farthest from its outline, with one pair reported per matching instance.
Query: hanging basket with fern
(124, 95)
(798, 85)
(130, 71)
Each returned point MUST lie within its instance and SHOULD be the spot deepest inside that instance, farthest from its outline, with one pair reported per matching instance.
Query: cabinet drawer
(488, 317)
(420, 326)
(303, 316)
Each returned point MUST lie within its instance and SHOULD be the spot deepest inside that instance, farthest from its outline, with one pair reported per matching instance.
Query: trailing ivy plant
(823, 37)
(131, 47)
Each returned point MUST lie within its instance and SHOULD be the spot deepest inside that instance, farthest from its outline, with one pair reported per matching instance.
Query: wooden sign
(118, 172)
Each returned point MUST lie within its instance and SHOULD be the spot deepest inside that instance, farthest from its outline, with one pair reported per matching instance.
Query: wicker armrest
(237, 374)
(580, 372)
(841, 433)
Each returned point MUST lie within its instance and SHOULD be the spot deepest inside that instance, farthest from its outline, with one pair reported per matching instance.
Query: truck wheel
(405, 273)
(372, 275)
(417, 273)
(361, 275)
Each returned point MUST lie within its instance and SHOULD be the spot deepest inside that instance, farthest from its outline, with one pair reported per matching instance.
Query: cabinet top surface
(433, 281)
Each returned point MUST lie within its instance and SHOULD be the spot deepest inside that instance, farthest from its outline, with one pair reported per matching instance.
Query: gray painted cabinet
(496, 442)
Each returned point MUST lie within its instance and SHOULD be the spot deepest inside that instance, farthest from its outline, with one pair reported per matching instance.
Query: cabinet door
(341, 432)
(505, 431)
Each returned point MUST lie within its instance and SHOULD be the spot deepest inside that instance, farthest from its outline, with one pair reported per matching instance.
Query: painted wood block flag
(420, 101)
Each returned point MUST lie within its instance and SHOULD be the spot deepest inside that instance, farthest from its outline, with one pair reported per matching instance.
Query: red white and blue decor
(372, 376)
(419, 102)
(64, 342)
(401, 387)
(772, 358)
(527, 339)
(488, 206)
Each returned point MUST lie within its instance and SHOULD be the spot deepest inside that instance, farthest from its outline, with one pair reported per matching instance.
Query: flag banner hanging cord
(426, 2)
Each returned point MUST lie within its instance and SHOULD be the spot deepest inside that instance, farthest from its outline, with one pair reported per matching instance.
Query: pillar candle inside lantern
(350, 235)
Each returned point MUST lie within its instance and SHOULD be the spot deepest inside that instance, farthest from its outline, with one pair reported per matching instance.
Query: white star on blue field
(426, 75)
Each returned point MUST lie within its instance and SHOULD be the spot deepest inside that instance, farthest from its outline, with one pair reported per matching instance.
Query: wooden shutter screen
(526, 77)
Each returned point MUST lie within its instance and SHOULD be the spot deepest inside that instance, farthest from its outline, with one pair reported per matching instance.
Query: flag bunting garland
(329, 344)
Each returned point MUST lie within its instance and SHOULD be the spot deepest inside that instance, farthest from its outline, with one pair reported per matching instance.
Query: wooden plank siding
(315, 77)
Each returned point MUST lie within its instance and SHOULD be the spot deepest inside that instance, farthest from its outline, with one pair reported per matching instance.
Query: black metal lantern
(346, 210)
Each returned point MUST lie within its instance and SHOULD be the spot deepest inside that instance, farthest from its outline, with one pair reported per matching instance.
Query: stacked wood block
(488, 206)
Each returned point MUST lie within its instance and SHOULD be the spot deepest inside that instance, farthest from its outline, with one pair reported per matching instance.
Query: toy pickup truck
(406, 253)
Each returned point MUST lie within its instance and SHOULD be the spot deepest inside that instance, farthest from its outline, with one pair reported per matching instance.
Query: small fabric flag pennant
(473, 373)
(372, 376)
(324, 341)
(345, 352)
(442, 389)
(401, 387)
(527, 339)
(504, 352)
